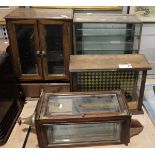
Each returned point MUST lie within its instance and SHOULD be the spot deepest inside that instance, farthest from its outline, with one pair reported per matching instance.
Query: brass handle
(38, 52)
(43, 53)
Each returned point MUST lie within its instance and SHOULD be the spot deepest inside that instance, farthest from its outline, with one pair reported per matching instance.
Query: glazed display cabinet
(40, 43)
(111, 72)
(99, 33)
(82, 119)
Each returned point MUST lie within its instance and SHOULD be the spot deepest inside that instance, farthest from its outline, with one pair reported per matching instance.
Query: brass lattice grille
(107, 80)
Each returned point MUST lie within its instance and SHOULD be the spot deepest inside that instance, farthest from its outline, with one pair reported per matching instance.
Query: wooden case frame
(124, 117)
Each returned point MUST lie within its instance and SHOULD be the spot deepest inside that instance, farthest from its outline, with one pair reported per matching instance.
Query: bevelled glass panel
(54, 48)
(26, 48)
(89, 132)
(81, 104)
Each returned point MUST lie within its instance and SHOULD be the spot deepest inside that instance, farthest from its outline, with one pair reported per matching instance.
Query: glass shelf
(106, 51)
(118, 46)
(105, 32)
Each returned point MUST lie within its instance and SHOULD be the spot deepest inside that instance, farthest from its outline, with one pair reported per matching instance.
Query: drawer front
(147, 42)
(148, 29)
(34, 89)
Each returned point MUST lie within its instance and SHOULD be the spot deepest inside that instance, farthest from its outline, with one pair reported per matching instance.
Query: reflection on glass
(26, 48)
(54, 48)
(79, 104)
(101, 38)
(90, 132)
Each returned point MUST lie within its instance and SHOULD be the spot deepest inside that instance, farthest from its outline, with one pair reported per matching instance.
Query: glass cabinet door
(54, 37)
(25, 49)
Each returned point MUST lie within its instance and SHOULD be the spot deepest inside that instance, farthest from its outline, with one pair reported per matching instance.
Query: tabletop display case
(82, 119)
(98, 33)
(111, 72)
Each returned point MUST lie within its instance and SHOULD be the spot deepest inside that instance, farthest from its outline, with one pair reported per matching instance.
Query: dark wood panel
(34, 89)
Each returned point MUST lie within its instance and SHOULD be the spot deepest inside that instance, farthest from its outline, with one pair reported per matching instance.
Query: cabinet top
(33, 13)
(105, 18)
(82, 63)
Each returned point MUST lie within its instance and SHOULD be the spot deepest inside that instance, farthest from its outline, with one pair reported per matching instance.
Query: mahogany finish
(34, 89)
(44, 50)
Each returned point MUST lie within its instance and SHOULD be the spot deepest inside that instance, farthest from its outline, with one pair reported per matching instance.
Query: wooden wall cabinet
(40, 42)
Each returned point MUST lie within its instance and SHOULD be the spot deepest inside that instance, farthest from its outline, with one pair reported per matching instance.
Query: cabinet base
(34, 89)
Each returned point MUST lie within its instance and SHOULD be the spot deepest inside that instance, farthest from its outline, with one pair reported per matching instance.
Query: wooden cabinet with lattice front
(111, 72)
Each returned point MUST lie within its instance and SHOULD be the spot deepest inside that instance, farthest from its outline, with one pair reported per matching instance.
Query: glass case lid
(105, 18)
(80, 104)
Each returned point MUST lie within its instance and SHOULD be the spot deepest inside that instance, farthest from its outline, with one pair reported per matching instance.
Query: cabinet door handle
(38, 52)
(43, 53)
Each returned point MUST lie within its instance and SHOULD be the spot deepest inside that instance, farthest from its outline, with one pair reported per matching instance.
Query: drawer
(149, 53)
(147, 42)
(148, 29)
(34, 89)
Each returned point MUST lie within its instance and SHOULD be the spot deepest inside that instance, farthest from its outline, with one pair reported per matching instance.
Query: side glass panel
(54, 48)
(26, 47)
(89, 132)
